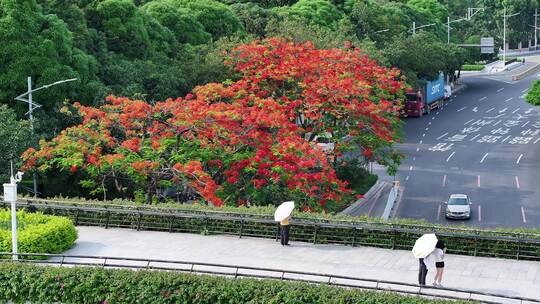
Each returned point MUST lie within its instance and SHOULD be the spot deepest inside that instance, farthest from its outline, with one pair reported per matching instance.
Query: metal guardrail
(238, 271)
(385, 235)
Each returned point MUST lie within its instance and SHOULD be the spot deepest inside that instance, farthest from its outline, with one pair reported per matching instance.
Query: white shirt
(438, 254)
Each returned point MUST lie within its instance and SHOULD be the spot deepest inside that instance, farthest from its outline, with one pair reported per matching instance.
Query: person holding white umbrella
(282, 215)
(423, 247)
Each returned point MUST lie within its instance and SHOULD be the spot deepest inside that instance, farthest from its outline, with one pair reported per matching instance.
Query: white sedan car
(458, 207)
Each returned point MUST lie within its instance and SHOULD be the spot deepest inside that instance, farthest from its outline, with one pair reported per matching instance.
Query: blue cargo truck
(423, 101)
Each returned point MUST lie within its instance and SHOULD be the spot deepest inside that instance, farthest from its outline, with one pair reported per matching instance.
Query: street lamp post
(33, 105)
(414, 27)
(448, 27)
(504, 33)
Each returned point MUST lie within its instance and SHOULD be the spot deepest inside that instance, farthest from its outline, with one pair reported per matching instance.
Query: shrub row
(40, 284)
(37, 233)
(316, 230)
(472, 67)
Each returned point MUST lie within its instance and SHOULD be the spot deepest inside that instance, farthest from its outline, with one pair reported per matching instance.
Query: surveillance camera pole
(10, 195)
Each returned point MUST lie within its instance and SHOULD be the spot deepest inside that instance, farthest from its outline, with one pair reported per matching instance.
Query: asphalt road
(484, 143)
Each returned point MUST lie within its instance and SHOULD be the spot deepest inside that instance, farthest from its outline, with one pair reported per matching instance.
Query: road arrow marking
(475, 109)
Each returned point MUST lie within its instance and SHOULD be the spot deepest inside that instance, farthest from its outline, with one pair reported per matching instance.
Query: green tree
(253, 17)
(320, 12)
(15, 138)
(217, 18)
(181, 21)
(433, 8)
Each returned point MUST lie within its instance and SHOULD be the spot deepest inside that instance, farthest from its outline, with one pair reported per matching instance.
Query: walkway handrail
(238, 271)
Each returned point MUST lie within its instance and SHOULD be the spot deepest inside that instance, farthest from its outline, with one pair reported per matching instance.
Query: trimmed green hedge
(533, 96)
(37, 233)
(472, 67)
(22, 282)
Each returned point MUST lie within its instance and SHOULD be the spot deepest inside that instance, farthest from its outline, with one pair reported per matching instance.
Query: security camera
(18, 176)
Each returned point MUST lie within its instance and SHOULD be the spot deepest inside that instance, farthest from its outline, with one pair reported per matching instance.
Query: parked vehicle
(423, 101)
(458, 207)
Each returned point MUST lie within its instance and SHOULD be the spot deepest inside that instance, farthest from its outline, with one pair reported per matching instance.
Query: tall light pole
(448, 27)
(414, 27)
(504, 33)
(33, 105)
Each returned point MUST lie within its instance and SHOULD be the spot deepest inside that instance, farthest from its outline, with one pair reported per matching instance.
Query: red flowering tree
(246, 141)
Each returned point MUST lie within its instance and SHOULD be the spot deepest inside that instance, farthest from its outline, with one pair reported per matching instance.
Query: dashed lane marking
(483, 158)
(525, 90)
(420, 142)
(461, 109)
(414, 158)
(427, 129)
(468, 121)
(523, 215)
(517, 182)
(417, 149)
(475, 137)
(439, 212)
(509, 99)
(478, 181)
(442, 136)
(444, 181)
(432, 118)
(519, 159)
(407, 178)
(537, 140)
(525, 124)
(448, 159)
(499, 90)
(490, 110)
(479, 213)
(503, 110)
(498, 122)
(410, 168)
(483, 98)
(424, 135)
(515, 111)
(506, 138)
(429, 124)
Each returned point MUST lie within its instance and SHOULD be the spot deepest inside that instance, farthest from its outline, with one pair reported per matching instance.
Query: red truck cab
(414, 104)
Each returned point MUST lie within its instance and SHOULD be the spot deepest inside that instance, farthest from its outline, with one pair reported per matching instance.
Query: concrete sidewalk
(509, 277)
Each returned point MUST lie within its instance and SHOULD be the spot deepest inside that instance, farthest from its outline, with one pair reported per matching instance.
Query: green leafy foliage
(15, 137)
(37, 233)
(321, 12)
(94, 285)
(533, 96)
(472, 67)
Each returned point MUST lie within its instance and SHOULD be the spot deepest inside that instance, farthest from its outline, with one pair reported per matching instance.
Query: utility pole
(504, 33)
(32, 106)
(414, 28)
(535, 29)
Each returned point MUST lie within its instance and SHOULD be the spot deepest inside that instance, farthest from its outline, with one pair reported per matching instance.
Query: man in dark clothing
(422, 272)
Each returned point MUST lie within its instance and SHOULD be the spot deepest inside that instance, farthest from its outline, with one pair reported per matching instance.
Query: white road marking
(442, 135)
(437, 113)
(479, 213)
(483, 158)
(538, 139)
(494, 117)
(529, 111)
(475, 109)
(427, 129)
(424, 135)
(461, 109)
(432, 118)
(410, 168)
(468, 121)
(417, 149)
(407, 178)
(414, 158)
(429, 124)
(515, 111)
(509, 99)
(517, 182)
(490, 110)
(523, 215)
(439, 212)
(420, 142)
(506, 138)
(503, 110)
(478, 181)
(525, 124)
(475, 137)
(500, 90)
(450, 156)
(519, 159)
(498, 122)
(482, 98)
(444, 181)
(525, 90)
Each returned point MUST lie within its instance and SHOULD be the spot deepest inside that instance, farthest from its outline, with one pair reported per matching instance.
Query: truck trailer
(424, 100)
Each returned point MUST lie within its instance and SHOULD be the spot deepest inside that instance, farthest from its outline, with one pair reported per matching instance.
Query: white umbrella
(283, 211)
(424, 245)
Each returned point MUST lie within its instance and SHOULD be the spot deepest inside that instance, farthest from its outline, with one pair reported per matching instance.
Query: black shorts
(439, 264)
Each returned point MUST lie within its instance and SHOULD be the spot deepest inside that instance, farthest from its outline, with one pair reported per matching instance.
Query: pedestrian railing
(521, 246)
(237, 271)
